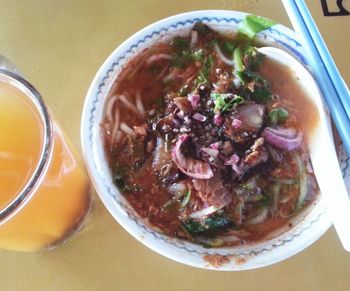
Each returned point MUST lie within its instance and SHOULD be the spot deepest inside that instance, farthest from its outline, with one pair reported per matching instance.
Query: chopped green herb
(205, 70)
(252, 24)
(201, 79)
(170, 203)
(198, 55)
(186, 199)
(278, 115)
(221, 103)
(184, 90)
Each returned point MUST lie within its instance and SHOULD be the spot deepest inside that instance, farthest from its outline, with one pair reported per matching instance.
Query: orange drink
(44, 190)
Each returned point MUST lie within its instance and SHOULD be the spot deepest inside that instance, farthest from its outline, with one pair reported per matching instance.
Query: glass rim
(23, 85)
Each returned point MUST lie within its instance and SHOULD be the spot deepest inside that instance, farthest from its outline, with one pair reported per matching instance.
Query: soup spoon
(322, 150)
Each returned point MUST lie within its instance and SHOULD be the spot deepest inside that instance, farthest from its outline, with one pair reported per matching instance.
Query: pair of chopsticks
(332, 85)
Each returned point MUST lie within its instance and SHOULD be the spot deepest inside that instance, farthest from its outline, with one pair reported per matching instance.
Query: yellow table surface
(59, 45)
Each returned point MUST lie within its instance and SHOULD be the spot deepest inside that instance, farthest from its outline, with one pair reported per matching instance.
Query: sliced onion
(189, 166)
(284, 138)
(222, 56)
(236, 123)
(211, 152)
(218, 119)
(176, 122)
(178, 188)
(251, 115)
(199, 117)
(194, 99)
(215, 145)
(180, 114)
(203, 212)
(233, 160)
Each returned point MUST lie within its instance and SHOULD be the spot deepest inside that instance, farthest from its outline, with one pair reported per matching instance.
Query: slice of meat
(258, 154)
(162, 163)
(134, 150)
(212, 191)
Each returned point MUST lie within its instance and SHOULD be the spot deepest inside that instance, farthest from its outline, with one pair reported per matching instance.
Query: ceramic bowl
(309, 225)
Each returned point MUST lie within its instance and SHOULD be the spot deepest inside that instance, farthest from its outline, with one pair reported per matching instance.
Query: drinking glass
(44, 189)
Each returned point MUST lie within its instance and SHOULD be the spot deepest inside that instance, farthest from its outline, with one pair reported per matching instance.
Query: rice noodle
(115, 138)
(109, 108)
(115, 125)
(194, 38)
(161, 74)
(113, 88)
(119, 136)
(125, 128)
(128, 104)
(139, 104)
(222, 56)
(158, 57)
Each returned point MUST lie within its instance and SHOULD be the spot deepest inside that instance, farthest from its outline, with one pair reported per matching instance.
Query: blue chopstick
(331, 83)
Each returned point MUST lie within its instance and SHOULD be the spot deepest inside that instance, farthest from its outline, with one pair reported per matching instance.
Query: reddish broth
(138, 155)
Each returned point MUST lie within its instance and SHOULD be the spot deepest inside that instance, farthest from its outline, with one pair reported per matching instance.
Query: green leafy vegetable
(180, 43)
(260, 91)
(205, 70)
(228, 46)
(210, 224)
(252, 57)
(278, 115)
(252, 24)
(224, 103)
(260, 94)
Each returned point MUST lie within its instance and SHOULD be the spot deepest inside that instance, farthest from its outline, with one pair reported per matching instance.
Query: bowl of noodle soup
(195, 153)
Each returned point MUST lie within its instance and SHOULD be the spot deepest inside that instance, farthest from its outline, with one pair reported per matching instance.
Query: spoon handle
(333, 189)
